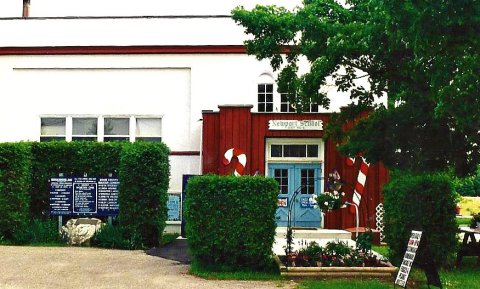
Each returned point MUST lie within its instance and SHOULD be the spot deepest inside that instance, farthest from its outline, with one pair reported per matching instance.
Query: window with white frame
(116, 129)
(53, 128)
(148, 129)
(265, 97)
(84, 128)
(98, 128)
(287, 106)
(294, 150)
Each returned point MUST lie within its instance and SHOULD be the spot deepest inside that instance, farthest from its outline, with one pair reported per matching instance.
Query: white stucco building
(122, 69)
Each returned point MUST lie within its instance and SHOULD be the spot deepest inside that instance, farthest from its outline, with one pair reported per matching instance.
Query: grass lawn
(198, 271)
(469, 205)
(463, 221)
(345, 284)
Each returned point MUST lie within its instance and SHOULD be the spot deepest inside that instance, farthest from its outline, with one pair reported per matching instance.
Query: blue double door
(304, 181)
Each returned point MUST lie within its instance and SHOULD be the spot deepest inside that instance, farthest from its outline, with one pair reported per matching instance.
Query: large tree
(422, 55)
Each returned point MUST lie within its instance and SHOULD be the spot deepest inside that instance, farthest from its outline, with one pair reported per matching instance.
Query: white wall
(60, 8)
(120, 32)
(11, 8)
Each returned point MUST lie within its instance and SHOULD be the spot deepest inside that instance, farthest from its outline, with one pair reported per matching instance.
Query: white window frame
(265, 102)
(100, 137)
(294, 141)
(50, 135)
(297, 141)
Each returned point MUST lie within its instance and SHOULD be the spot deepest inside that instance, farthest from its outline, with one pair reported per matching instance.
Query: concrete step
(314, 233)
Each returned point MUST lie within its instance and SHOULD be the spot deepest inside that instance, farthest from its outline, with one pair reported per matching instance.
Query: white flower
(326, 203)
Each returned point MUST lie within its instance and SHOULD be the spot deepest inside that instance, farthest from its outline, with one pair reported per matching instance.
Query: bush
(144, 177)
(231, 221)
(469, 186)
(38, 232)
(115, 237)
(71, 159)
(15, 162)
(426, 203)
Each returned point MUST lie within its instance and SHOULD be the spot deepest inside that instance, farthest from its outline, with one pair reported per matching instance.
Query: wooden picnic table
(470, 245)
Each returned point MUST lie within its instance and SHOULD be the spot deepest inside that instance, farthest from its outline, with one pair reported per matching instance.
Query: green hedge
(15, 164)
(144, 174)
(71, 159)
(231, 221)
(423, 202)
(142, 168)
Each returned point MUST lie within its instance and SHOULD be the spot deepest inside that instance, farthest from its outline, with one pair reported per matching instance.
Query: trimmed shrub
(144, 174)
(71, 159)
(114, 237)
(15, 162)
(424, 202)
(231, 221)
(38, 232)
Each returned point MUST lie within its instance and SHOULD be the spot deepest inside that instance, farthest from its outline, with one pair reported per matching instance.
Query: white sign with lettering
(408, 258)
(313, 124)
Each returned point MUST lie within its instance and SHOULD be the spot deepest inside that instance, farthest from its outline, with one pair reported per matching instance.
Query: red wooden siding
(237, 127)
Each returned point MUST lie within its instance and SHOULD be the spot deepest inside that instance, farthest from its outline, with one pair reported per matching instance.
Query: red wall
(236, 126)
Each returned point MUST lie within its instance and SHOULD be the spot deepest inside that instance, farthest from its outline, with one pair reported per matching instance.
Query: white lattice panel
(379, 212)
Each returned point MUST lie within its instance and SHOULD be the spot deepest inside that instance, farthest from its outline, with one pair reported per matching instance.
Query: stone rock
(80, 231)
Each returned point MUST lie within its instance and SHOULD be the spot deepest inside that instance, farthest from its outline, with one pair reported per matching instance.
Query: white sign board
(308, 124)
(408, 258)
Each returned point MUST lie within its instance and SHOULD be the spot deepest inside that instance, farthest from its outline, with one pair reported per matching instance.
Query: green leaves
(423, 202)
(144, 177)
(422, 55)
(230, 221)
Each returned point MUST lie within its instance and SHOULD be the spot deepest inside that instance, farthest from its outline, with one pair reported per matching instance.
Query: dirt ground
(74, 267)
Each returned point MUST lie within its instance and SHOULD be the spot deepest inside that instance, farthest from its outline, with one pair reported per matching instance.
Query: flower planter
(334, 272)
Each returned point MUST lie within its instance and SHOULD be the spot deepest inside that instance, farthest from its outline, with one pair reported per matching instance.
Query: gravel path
(74, 267)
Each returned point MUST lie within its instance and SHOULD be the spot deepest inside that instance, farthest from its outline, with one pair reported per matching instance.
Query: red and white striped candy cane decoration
(242, 160)
(361, 179)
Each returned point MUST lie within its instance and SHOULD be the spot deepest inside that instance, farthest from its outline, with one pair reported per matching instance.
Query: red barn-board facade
(275, 142)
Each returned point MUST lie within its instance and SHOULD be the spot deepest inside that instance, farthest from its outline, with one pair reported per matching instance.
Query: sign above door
(313, 124)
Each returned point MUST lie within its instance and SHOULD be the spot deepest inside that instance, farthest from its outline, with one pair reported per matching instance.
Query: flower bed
(336, 259)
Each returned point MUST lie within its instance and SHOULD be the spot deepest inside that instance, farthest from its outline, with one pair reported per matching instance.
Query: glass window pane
(148, 127)
(294, 151)
(84, 138)
(276, 151)
(269, 107)
(52, 126)
(51, 138)
(261, 107)
(261, 98)
(283, 97)
(269, 88)
(269, 97)
(312, 151)
(261, 88)
(150, 139)
(84, 126)
(314, 108)
(284, 107)
(308, 181)
(116, 126)
(281, 175)
(106, 139)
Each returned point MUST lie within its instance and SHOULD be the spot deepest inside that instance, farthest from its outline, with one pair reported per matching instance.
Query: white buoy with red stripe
(241, 157)
(361, 179)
